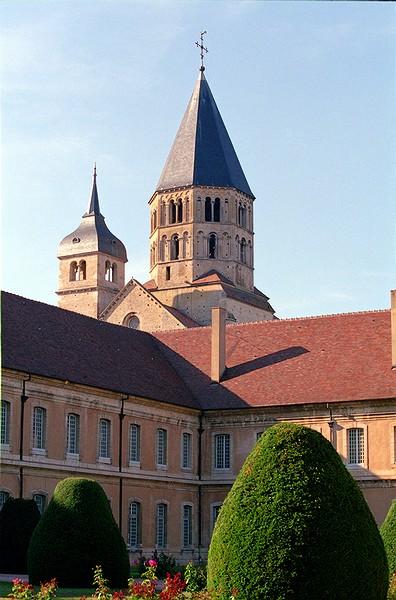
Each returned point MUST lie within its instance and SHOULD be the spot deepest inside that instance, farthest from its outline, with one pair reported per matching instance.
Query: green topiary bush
(388, 534)
(76, 533)
(295, 525)
(18, 518)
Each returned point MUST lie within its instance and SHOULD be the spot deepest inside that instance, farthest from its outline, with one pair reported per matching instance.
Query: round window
(133, 323)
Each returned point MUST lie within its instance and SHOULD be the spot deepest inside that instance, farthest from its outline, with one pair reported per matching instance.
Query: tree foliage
(76, 533)
(388, 534)
(296, 525)
(18, 518)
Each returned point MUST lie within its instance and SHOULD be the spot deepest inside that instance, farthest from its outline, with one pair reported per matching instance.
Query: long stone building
(159, 390)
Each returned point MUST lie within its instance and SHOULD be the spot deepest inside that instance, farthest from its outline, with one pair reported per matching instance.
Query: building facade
(159, 391)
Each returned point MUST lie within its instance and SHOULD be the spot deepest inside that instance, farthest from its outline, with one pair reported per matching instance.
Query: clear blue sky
(307, 93)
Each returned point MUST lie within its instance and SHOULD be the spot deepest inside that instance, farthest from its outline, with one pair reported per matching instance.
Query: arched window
(172, 212)
(162, 248)
(154, 220)
(242, 257)
(73, 276)
(216, 210)
(187, 526)
(104, 438)
(39, 428)
(73, 434)
(82, 270)
(40, 500)
(208, 208)
(5, 422)
(133, 322)
(107, 271)
(161, 525)
(175, 249)
(212, 245)
(179, 211)
(135, 524)
(162, 213)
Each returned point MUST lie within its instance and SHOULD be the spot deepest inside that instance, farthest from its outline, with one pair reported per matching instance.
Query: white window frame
(222, 451)
(41, 501)
(187, 526)
(162, 448)
(5, 423)
(134, 535)
(356, 441)
(39, 428)
(161, 530)
(187, 441)
(134, 444)
(72, 435)
(104, 445)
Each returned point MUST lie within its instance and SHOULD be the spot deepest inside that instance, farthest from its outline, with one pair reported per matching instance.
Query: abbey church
(159, 390)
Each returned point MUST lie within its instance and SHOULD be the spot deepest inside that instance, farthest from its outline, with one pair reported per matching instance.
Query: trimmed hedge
(296, 525)
(76, 533)
(388, 534)
(18, 519)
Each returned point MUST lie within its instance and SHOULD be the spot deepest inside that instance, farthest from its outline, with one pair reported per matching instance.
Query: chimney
(218, 343)
(393, 327)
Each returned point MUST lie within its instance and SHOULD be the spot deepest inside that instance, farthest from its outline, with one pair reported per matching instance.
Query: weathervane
(203, 49)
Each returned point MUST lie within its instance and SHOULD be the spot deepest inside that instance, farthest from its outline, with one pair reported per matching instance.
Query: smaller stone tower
(92, 263)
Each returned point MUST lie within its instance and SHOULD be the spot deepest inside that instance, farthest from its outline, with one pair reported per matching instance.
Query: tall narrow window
(134, 443)
(135, 524)
(208, 208)
(215, 513)
(175, 247)
(161, 525)
(104, 438)
(187, 526)
(222, 451)
(172, 212)
(242, 248)
(179, 216)
(39, 428)
(356, 446)
(109, 271)
(5, 422)
(40, 501)
(187, 451)
(73, 434)
(216, 210)
(212, 243)
(162, 450)
(73, 276)
(3, 498)
(82, 270)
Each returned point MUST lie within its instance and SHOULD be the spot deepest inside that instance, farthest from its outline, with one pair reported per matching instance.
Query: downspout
(24, 399)
(200, 432)
(121, 417)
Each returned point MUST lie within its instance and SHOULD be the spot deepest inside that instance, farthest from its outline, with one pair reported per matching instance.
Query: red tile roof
(337, 358)
(283, 362)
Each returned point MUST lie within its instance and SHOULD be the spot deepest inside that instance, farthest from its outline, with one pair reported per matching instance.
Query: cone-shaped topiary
(388, 534)
(76, 533)
(295, 525)
(18, 518)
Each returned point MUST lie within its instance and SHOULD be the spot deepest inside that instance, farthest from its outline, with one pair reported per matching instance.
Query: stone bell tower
(201, 235)
(92, 263)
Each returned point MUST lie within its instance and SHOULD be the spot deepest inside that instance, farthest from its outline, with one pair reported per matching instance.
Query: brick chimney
(393, 327)
(218, 343)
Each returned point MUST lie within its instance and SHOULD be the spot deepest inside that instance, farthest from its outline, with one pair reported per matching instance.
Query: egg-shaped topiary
(295, 525)
(388, 534)
(76, 533)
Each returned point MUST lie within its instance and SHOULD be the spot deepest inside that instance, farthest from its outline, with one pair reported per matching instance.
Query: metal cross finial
(203, 49)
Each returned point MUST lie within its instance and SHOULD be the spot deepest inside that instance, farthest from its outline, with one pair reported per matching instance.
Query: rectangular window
(215, 513)
(5, 422)
(73, 434)
(356, 446)
(104, 438)
(39, 428)
(187, 526)
(187, 451)
(40, 501)
(134, 443)
(3, 498)
(161, 529)
(162, 449)
(222, 451)
(135, 525)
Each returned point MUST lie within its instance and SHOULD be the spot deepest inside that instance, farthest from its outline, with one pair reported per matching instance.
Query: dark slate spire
(92, 235)
(202, 153)
(93, 204)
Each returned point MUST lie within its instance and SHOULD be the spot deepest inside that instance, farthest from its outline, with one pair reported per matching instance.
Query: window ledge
(5, 447)
(162, 467)
(72, 457)
(104, 460)
(39, 451)
(135, 463)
